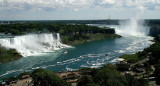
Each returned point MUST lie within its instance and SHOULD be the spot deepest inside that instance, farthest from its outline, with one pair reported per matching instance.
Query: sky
(78, 9)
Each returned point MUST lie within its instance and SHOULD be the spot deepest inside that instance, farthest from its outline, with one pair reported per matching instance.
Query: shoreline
(68, 75)
(18, 56)
(100, 36)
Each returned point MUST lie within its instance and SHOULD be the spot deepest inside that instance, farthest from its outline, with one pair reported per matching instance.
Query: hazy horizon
(77, 20)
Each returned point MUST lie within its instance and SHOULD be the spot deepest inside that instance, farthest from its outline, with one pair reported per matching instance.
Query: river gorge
(55, 56)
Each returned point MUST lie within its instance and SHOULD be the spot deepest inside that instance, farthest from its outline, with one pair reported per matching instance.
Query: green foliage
(23, 74)
(109, 76)
(81, 38)
(157, 72)
(85, 81)
(131, 81)
(8, 54)
(42, 77)
(91, 84)
(153, 52)
(9, 79)
(103, 77)
(78, 37)
(131, 58)
(64, 29)
(154, 49)
(109, 66)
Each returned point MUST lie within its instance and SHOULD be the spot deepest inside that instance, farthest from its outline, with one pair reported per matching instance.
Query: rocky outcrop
(109, 31)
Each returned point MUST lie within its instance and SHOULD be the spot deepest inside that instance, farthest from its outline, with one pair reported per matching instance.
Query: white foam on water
(34, 44)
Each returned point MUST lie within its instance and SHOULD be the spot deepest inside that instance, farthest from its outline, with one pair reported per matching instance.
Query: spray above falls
(136, 25)
(33, 44)
(132, 27)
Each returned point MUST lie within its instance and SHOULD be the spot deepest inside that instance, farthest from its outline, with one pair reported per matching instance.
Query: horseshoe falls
(132, 27)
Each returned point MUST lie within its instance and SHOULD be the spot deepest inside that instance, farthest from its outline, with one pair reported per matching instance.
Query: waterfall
(132, 27)
(33, 44)
(58, 37)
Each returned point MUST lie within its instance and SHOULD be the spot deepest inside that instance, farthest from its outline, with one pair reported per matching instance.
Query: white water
(33, 44)
(132, 27)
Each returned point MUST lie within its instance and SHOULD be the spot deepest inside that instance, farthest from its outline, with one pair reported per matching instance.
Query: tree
(42, 77)
(86, 81)
(157, 72)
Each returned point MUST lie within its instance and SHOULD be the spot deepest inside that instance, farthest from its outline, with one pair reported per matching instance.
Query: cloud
(103, 2)
(76, 9)
(23, 5)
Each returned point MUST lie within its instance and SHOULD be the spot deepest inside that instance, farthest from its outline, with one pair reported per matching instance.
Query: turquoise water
(90, 54)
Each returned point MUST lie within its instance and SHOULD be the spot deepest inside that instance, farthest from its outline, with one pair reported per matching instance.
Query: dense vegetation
(42, 77)
(8, 54)
(154, 27)
(153, 53)
(64, 29)
(108, 76)
(77, 39)
(133, 58)
(153, 22)
(106, 21)
(104, 76)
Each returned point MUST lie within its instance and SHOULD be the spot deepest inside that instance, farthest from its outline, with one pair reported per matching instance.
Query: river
(90, 54)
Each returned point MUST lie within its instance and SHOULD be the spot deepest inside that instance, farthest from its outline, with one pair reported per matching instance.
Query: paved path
(140, 62)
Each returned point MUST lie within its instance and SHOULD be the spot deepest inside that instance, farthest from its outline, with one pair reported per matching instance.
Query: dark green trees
(42, 77)
(86, 81)
(63, 29)
(157, 72)
(8, 54)
(109, 76)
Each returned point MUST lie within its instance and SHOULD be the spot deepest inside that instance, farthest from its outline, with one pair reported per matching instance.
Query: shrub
(42, 77)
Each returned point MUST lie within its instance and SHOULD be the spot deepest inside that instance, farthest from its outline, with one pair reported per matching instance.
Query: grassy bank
(133, 58)
(79, 39)
(8, 55)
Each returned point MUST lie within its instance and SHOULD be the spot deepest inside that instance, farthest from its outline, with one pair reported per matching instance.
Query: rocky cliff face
(109, 31)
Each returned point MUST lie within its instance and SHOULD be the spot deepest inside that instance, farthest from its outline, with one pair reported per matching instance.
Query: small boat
(65, 52)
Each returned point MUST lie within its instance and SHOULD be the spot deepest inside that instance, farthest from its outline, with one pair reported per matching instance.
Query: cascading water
(132, 27)
(33, 44)
(58, 37)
